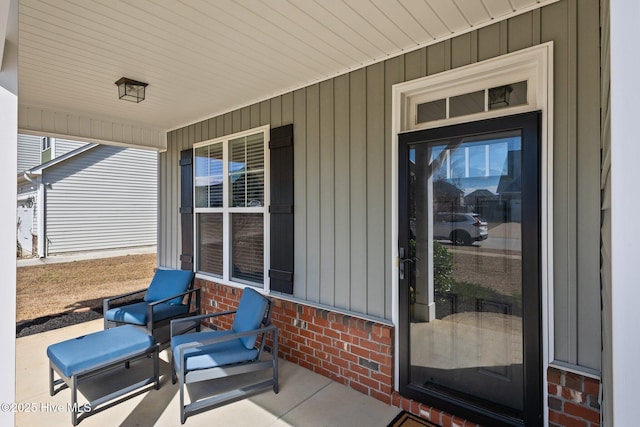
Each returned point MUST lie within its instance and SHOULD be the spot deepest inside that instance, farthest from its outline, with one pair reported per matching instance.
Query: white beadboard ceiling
(205, 57)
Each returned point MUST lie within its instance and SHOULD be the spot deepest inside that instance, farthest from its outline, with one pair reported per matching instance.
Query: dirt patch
(46, 291)
(502, 274)
(509, 230)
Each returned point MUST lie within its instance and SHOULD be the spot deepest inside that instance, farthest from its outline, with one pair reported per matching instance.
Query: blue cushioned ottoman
(80, 357)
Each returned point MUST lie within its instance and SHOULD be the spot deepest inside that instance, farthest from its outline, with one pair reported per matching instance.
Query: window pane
(468, 103)
(236, 153)
(434, 110)
(478, 160)
(246, 171)
(508, 95)
(209, 237)
(255, 152)
(247, 247)
(458, 163)
(208, 176)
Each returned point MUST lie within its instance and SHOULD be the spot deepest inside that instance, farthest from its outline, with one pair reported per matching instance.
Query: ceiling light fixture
(131, 90)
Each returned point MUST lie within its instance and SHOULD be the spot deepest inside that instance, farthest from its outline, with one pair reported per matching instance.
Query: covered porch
(328, 69)
(305, 398)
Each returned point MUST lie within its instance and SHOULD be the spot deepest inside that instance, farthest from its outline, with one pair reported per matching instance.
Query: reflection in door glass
(466, 288)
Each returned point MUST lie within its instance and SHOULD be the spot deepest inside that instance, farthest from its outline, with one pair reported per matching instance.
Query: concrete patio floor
(305, 398)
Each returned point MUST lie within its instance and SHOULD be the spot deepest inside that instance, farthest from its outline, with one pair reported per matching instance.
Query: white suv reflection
(460, 228)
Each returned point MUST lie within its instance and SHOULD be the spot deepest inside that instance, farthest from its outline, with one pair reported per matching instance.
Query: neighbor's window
(230, 200)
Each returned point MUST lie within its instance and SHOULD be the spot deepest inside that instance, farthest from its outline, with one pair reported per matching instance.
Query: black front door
(469, 243)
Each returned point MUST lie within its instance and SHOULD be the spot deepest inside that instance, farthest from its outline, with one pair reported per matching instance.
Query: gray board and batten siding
(342, 193)
(103, 198)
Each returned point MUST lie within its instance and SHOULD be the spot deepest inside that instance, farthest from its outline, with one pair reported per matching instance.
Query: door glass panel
(465, 287)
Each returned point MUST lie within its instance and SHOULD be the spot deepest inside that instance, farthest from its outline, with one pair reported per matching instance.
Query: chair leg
(50, 379)
(174, 377)
(74, 399)
(183, 417)
(276, 387)
(156, 366)
(274, 354)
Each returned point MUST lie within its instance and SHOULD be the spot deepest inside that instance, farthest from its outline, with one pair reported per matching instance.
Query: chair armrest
(181, 294)
(175, 322)
(154, 303)
(107, 301)
(201, 343)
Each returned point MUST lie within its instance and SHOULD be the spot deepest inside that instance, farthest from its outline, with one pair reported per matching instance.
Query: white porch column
(625, 205)
(8, 174)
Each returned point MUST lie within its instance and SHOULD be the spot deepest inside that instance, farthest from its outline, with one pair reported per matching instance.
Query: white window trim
(227, 279)
(46, 143)
(535, 65)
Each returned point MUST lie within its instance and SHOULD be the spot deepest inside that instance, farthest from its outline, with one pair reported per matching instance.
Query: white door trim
(535, 65)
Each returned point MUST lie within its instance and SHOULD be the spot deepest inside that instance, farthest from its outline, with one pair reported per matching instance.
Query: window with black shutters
(231, 195)
(241, 190)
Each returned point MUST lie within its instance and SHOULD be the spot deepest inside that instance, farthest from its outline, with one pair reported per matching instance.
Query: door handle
(402, 261)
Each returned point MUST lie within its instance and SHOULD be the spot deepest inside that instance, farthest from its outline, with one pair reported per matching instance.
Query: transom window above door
(491, 98)
(510, 84)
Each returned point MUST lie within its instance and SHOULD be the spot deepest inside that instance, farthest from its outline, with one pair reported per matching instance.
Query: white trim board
(99, 130)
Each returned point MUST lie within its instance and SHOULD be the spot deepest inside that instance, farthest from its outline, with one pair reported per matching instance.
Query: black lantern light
(499, 96)
(131, 90)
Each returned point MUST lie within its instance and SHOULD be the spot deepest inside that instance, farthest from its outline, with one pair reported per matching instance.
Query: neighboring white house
(29, 151)
(75, 196)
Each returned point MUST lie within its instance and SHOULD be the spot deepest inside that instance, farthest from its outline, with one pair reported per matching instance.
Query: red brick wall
(573, 399)
(432, 414)
(352, 351)
(359, 354)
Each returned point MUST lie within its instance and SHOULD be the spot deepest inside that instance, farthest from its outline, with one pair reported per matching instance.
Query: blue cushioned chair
(169, 296)
(219, 354)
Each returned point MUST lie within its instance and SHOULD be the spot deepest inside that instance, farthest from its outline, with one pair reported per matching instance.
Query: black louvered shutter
(281, 209)
(186, 208)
